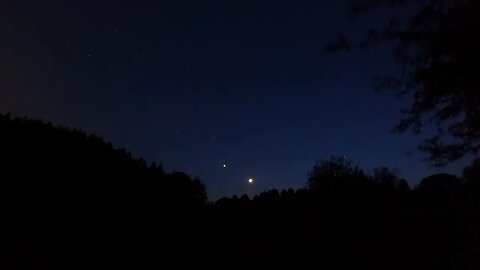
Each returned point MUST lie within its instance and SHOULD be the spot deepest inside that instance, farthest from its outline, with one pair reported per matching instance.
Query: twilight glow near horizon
(223, 90)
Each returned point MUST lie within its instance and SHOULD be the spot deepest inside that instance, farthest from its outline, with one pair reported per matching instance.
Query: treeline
(348, 219)
(72, 201)
(338, 178)
(69, 199)
(58, 164)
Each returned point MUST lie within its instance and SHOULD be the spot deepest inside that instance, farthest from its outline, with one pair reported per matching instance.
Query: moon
(250, 181)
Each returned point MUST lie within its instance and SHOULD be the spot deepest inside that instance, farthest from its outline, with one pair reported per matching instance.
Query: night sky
(198, 84)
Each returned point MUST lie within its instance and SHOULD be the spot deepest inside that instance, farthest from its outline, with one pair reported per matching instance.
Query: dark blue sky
(198, 84)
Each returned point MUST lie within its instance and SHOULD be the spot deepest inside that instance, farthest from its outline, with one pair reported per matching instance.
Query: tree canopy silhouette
(438, 52)
(336, 172)
(71, 201)
(471, 175)
(441, 183)
(386, 177)
(40, 162)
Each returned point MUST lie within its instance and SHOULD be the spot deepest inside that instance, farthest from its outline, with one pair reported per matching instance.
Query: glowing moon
(250, 181)
(224, 165)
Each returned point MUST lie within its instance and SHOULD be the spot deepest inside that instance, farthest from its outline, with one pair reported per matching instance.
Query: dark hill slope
(70, 199)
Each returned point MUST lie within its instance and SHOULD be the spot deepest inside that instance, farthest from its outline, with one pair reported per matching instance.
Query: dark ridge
(71, 201)
(75, 193)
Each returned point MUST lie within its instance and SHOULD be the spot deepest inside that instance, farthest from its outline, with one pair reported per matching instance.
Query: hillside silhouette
(69, 199)
(72, 201)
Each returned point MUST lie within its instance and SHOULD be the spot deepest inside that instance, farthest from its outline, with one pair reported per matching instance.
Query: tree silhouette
(47, 165)
(71, 201)
(439, 182)
(439, 188)
(84, 195)
(471, 175)
(438, 52)
(385, 177)
(244, 199)
(333, 173)
(403, 185)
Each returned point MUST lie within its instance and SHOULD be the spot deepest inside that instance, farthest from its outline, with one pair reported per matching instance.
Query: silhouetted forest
(72, 201)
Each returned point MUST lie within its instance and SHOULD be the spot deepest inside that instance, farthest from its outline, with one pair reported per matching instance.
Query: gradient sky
(198, 84)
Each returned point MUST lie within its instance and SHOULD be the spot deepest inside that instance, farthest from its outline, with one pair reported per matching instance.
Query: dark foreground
(70, 201)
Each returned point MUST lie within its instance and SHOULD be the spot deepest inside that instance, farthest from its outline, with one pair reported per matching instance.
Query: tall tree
(385, 176)
(471, 175)
(438, 51)
(333, 173)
